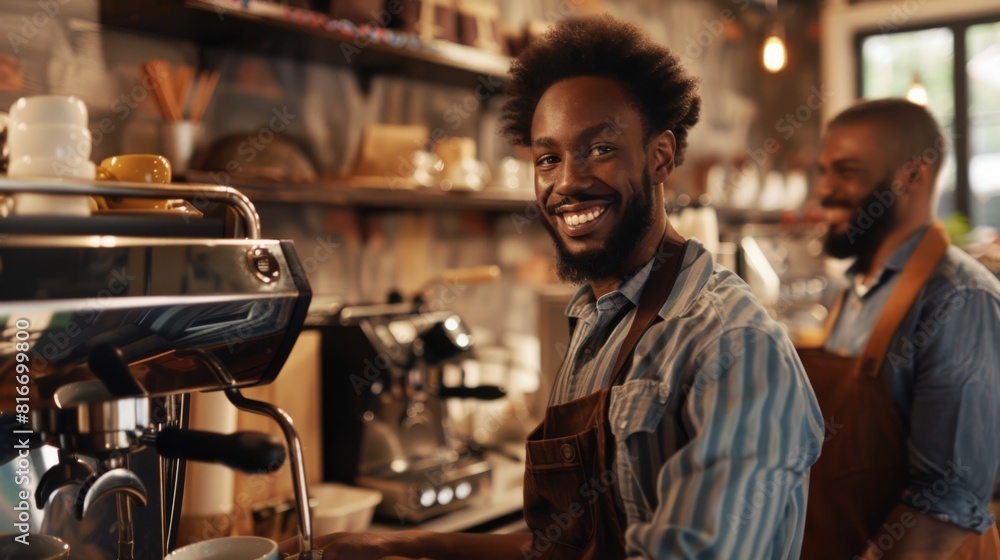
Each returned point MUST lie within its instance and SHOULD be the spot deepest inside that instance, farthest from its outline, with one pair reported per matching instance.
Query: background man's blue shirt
(943, 372)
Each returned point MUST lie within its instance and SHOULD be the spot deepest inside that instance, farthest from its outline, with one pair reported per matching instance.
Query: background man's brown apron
(862, 470)
(569, 477)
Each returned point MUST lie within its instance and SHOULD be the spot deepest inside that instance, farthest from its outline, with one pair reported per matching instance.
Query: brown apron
(862, 471)
(569, 502)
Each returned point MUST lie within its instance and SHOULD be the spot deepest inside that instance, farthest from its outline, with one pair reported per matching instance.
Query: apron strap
(831, 319)
(916, 272)
(655, 293)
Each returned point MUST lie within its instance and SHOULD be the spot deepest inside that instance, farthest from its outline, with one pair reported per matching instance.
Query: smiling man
(911, 365)
(596, 234)
(681, 423)
(677, 385)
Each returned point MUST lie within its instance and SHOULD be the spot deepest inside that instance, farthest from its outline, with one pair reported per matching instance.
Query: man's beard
(865, 232)
(609, 260)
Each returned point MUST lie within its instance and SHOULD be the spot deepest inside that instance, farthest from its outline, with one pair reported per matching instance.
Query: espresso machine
(108, 323)
(385, 421)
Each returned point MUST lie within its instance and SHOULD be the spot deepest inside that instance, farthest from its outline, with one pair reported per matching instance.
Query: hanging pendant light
(917, 92)
(775, 55)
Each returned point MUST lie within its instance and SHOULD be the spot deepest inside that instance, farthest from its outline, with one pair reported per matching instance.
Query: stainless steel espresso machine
(385, 421)
(109, 322)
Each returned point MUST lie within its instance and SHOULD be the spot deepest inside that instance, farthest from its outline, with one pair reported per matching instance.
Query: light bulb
(774, 54)
(917, 92)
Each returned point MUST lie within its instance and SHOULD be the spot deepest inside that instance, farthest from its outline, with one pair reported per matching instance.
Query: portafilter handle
(462, 276)
(482, 392)
(249, 452)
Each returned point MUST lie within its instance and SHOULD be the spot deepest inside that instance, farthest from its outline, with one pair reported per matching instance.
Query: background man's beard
(859, 241)
(609, 260)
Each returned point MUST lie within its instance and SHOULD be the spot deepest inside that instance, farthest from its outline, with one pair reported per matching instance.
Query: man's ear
(916, 175)
(661, 156)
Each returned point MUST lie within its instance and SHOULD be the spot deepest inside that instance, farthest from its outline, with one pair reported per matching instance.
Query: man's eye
(546, 160)
(601, 149)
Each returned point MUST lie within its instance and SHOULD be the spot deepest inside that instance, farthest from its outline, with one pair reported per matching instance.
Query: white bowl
(64, 109)
(343, 508)
(228, 548)
(49, 140)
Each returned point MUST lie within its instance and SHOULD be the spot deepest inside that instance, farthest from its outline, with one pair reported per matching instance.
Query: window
(958, 66)
(983, 67)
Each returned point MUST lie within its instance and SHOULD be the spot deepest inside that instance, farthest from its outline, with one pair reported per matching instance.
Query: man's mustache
(835, 203)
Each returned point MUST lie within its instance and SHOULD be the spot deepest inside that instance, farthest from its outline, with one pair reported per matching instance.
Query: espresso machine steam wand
(292, 439)
(298, 468)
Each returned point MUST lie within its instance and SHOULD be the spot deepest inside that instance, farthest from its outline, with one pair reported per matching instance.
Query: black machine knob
(250, 452)
(482, 392)
(446, 339)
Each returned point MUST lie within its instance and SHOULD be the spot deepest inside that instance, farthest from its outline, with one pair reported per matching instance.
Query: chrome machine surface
(110, 330)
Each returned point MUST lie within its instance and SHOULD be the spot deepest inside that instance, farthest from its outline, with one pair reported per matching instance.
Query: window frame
(960, 84)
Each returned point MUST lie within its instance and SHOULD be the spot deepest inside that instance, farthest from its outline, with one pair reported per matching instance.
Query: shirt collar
(893, 264)
(630, 289)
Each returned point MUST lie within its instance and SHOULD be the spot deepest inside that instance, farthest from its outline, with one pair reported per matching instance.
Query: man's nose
(824, 187)
(574, 176)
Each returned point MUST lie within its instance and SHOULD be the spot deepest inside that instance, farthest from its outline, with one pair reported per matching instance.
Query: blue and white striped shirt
(716, 424)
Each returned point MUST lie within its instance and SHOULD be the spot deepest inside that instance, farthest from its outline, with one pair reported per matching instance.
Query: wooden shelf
(273, 30)
(341, 193)
(268, 28)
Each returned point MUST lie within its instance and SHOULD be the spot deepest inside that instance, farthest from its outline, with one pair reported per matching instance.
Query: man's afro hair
(666, 96)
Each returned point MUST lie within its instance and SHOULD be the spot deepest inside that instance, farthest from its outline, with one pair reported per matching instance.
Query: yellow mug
(135, 168)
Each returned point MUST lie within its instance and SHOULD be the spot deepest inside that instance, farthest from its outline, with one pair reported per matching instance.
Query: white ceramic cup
(39, 150)
(38, 109)
(26, 204)
(228, 548)
(62, 141)
(27, 166)
(39, 547)
(32, 204)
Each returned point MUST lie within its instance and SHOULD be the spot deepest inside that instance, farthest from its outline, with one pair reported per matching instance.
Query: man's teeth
(579, 218)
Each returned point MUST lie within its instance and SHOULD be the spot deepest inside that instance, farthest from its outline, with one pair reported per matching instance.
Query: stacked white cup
(48, 137)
